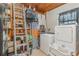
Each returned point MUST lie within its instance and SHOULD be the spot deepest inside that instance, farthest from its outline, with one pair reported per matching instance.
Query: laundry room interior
(39, 29)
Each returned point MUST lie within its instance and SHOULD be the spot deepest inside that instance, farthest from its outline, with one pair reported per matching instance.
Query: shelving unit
(20, 32)
(1, 30)
(15, 28)
(7, 28)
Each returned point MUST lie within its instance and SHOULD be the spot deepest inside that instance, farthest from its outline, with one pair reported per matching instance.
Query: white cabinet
(45, 41)
(67, 39)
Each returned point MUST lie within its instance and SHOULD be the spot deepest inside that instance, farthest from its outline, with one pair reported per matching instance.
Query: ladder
(20, 33)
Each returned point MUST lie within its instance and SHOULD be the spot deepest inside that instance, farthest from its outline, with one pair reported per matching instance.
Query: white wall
(41, 19)
(52, 16)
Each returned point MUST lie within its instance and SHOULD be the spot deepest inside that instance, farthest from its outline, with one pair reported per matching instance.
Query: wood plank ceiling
(43, 7)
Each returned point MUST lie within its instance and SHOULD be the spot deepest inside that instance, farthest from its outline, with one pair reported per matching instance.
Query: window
(69, 17)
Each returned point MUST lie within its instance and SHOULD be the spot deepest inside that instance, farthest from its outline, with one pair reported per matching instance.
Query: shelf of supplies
(18, 10)
(20, 36)
(11, 54)
(8, 28)
(10, 43)
(22, 54)
(18, 17)
(18, 14)
(28, 28)
(19, 23)
(6, 17)
(19, 28)
(23, 44)
(11, 49)
(19, 20)
(20, 33)
(8, 7)
(8, 14)
(10, 46)
(19, 5)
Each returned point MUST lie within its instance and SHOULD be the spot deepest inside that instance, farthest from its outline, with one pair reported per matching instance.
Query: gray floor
(37, 52)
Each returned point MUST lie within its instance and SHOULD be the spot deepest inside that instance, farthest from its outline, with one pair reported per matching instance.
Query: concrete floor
(37, 52)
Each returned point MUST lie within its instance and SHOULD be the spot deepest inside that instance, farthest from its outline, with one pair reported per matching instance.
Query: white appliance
(45, 41)
(66, 40)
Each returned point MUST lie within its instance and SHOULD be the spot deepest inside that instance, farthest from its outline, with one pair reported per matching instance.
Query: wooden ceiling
(43, 7)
